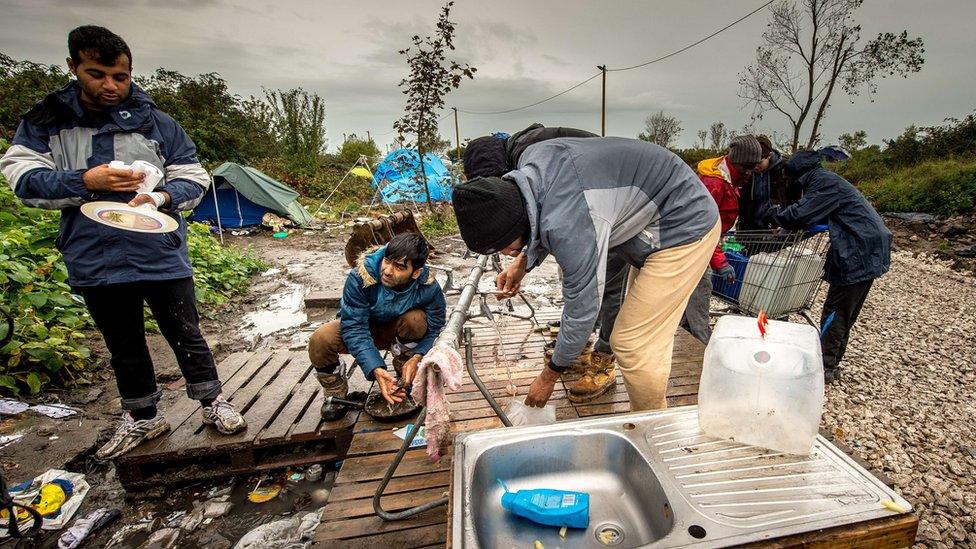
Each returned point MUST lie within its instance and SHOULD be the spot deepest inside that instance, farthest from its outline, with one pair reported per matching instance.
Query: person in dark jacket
(860, 247)
(490, 156)
(391, 301)
(755, 194)
(59, 160)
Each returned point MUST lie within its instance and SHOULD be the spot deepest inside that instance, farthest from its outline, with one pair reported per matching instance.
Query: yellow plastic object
(361, 172)
(47, 502)
(893, 507)
(267, 492)
(537, 545)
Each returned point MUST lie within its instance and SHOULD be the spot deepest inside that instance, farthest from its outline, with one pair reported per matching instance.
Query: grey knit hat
(745, 150)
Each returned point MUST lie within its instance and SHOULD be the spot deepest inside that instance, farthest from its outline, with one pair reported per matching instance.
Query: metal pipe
(469, 362)
(450, 335)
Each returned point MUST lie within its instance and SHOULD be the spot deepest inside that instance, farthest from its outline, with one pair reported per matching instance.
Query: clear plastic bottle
(766, 392)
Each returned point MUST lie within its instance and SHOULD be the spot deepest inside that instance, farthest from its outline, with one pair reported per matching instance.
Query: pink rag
(428, 390)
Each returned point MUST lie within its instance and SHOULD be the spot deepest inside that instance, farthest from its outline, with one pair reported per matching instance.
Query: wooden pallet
(348, 519)
(280, 400)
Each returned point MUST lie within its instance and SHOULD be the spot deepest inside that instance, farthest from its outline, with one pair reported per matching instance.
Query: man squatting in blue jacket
(59, 160)
(391, 301)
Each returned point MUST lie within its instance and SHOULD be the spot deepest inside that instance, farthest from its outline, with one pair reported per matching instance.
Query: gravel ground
(906, 402)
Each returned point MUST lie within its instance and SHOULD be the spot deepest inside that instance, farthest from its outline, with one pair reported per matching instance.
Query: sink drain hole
(696, 531)
(609, 534)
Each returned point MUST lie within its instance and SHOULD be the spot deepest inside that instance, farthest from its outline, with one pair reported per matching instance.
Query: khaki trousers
(643, 336)
(326, 344)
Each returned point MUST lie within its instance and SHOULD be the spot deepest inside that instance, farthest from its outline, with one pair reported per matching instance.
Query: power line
(689, 46)
(550, 98)
(449, 113)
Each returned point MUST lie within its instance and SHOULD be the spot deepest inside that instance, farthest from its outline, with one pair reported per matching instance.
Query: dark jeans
(613, 297)
(117, 310)
(695, 318)
(844, 302)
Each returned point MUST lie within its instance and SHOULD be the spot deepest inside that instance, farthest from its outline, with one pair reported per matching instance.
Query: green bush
(48, 344)
(444, 224)
(218, 272)
(938, 187)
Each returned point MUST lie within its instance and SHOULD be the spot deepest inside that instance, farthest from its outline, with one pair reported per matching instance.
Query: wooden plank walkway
(280, 401)
(348, 518)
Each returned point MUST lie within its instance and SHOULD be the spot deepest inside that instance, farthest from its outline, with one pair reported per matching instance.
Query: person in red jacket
(723, 177)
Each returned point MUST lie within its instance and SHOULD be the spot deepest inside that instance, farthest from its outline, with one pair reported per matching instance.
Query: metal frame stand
(449, 336)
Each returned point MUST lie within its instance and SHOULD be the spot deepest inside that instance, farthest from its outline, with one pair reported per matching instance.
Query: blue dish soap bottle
(549, 507)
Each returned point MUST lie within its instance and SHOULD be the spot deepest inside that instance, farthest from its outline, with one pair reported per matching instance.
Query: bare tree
(661, 128)
(718, 135)
(810, 49)
(702, 138)
(431, 78)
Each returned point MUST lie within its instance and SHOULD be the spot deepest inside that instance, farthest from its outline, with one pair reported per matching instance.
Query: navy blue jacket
(860, 243)
(365, 299)
(58, 140)
(754, 197)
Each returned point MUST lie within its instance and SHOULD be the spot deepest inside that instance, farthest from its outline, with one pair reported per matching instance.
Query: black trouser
(613, 296)
(117, 310)
(844, 302)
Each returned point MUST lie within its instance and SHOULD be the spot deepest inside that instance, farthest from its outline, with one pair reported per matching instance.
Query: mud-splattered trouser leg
(117, 310)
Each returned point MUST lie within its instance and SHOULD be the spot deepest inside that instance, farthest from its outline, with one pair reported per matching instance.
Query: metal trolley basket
(776, 271)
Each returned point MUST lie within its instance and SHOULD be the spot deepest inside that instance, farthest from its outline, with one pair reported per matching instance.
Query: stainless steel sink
(654, 480)
(625, 495)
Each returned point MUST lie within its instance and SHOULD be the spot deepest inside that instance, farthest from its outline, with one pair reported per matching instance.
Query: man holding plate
(60, 159)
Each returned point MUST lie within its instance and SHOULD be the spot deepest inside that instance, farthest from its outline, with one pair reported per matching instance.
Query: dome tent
(242, 195)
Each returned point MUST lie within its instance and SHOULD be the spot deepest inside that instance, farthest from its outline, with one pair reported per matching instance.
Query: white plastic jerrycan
(763, 391)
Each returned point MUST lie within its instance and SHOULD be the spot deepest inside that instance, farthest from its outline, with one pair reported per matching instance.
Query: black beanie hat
(490, 213)
(485, 157)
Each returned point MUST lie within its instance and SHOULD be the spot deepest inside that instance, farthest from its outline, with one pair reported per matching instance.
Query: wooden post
(457, 134)
(603, 102)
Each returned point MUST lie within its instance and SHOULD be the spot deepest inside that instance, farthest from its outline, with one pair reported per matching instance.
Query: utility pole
(603, 102)
(368, 137)
(457, 134)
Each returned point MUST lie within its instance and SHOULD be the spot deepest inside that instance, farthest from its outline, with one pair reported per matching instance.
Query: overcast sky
(524, 51)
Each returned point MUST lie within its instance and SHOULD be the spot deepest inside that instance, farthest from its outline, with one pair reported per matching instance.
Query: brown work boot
(333, 385)
(579, 366)
(599, 378)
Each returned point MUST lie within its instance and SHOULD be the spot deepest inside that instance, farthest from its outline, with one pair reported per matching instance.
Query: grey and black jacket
(58, 140)
(586, 197)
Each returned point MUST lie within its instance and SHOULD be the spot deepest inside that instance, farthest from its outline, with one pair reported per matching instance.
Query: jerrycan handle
(761, 359)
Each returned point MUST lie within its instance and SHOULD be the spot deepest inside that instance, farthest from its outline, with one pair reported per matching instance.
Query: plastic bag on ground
(56, 494)
(294, 533)
(520, 414)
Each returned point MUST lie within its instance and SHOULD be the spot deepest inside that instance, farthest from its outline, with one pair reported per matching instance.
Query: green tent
(241, 195)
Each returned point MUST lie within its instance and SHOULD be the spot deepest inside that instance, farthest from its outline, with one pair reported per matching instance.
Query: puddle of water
(285, 309)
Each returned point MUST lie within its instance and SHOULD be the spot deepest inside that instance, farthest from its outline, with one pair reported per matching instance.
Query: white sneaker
(131, 433)
(222, 415)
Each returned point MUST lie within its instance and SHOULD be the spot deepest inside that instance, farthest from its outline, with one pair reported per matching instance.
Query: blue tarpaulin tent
(397, 178)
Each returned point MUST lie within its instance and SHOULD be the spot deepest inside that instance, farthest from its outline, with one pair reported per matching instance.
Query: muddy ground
(272, 316)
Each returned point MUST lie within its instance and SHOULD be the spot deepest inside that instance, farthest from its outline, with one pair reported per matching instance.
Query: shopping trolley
(776, 271)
